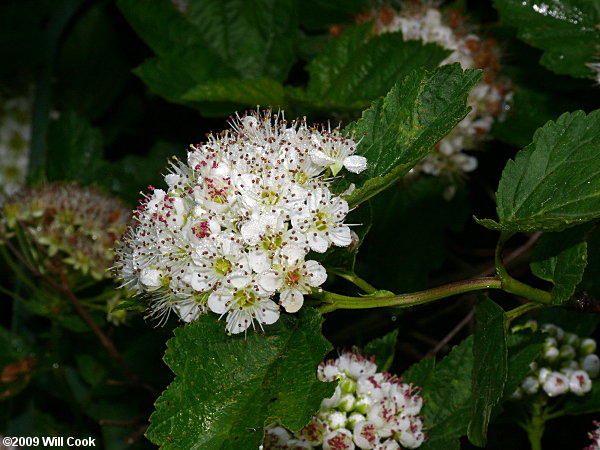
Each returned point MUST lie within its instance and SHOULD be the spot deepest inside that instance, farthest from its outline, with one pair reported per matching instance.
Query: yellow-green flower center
(222, 266)
(245, 298)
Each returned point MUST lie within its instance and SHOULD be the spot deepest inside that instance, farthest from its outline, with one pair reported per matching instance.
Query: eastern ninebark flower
(76, 225)
(368, 410)
(419, 21)
(231, 232)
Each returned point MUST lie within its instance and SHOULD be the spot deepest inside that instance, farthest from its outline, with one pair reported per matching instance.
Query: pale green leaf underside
(226, 389)
(555, 181)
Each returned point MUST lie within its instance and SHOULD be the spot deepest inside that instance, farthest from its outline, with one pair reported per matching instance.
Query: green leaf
(262, 91)
(226, 389)
(172, 76)
(561, 258)
(565, 29)
(383, 349)
(591, 276)
(400, 129)
(447, 388)
(74, 149)
(554, 182)
(354, 69)
(229, 53)
(255, 37)
(490, 370)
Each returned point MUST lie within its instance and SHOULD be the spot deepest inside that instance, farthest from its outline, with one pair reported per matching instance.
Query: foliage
(117, 89)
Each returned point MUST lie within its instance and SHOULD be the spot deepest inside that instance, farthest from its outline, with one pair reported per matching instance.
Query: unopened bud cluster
(369, 410)
(419, 21)
(65, 222)
(566, 364)
(239, 216)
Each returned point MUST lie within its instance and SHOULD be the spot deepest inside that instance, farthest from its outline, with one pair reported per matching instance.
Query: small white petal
(355, 163)
(218, 303)
(318, 243)
(292, 300)
(317, 275)
(269, 281)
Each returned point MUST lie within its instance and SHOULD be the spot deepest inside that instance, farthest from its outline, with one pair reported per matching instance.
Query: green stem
(513, 286)
(520, 310)
(355, 280)
(535, 428)
(335, 301)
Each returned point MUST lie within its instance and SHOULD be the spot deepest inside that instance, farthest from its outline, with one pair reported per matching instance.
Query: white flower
(365, 435)
(237, 220)
(366, 407)
(335, 151)
(419, 21)
(556, 384)
(294, 277)
(340, 439)
(322, 221)
(580, 383)
(243, 305)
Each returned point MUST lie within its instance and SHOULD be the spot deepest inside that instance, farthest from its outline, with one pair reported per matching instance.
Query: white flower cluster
(425, 23)
(595, 436)
(567, 364)
(237, 221)
(368, 410)
(15, 130)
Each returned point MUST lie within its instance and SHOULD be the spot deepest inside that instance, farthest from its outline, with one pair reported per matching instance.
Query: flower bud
(355, 418)
(347, 402)
(550, 354)
(544, 374)
(567, 352)
(587, 346)
(591, 364)
(336, 419)
(362, 405)
(553, 330)
(571, 339)
(347, 385)
(530, 385)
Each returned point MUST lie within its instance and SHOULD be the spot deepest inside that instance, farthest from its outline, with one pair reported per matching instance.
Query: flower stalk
(336, 301)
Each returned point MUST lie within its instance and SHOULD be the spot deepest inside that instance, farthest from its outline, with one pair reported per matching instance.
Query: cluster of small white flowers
(425, 23)
(237, 221)
(368, 410)
(15, 130)
(595, 436)
(567, 364)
